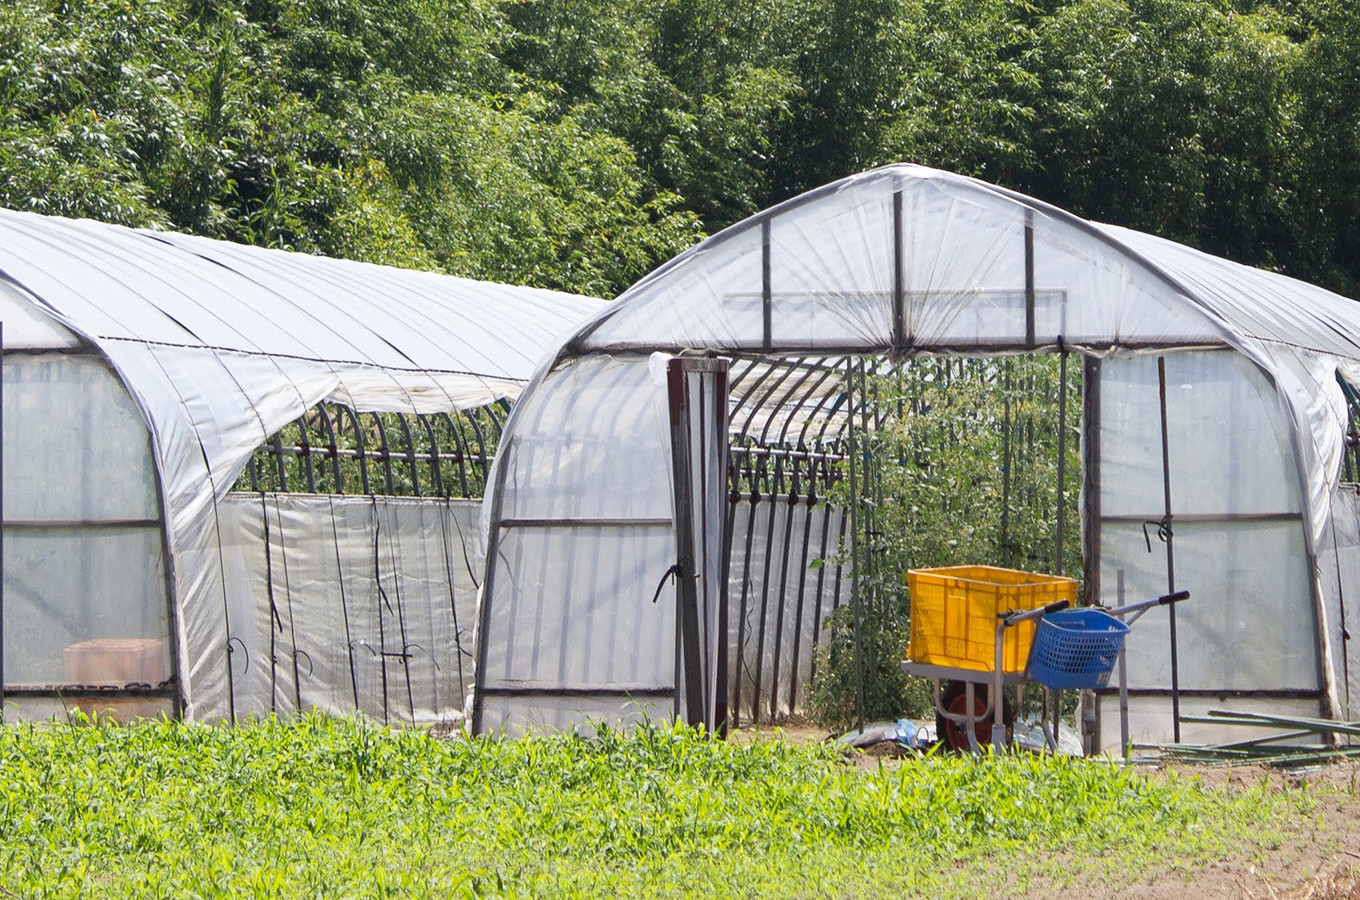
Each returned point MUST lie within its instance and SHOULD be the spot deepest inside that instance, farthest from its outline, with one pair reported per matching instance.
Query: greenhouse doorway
(845, 472)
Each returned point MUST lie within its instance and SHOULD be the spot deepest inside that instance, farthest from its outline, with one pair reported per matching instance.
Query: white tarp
(345, 603)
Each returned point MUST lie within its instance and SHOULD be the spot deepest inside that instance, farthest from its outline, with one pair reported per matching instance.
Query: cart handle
(1140, 608)
(1016, 616)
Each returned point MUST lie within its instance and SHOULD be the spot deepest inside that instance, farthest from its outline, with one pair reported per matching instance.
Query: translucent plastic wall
(834, 257)
(583, 539)
(1238, 533)
(1238, 537)
(85, 599)
(1339, 568)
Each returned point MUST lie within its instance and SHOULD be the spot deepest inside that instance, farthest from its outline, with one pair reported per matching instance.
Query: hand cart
(1070, 648)
(997, 679)
(956, 636)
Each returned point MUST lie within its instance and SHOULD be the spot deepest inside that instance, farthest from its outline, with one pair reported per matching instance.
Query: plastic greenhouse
(630, 457)
(238, 481)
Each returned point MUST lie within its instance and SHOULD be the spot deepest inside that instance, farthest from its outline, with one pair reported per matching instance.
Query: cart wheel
(954, 698)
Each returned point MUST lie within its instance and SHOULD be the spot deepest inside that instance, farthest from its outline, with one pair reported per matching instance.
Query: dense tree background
(577, 143)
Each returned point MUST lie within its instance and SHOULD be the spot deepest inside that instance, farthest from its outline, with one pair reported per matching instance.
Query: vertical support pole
(1057, 717)
(723, 708)
(1123, 679)
(1090, 398)
(766, 289)
(745, 589)
(697, 401)
(899, 280)
(1029, 279)
(1062, 457)
(1170, 553)
(1006, 463)
(854, 545)
(715, 547)
(2, 522)
(688, 618)
(1090, 523)
(808, 505)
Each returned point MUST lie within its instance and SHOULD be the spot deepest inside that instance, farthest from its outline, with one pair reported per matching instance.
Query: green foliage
(884, 631)
(1325, 145)
(968, 90)
(340, 808)
(964, 465)
(696, 87)
(1171, 117)
(578, 144)
(382, 130)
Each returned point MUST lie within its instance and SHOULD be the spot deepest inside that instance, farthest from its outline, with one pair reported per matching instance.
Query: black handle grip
(1024, 615)
(1177, 597)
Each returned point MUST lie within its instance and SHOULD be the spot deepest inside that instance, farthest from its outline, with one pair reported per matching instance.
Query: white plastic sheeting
(85, 490)
(1339, 566)
(345, 603)
(905, 260)
(1237, 522)
(221, 345)
(962, 256)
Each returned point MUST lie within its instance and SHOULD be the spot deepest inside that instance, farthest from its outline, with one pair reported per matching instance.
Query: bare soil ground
(1318, 859)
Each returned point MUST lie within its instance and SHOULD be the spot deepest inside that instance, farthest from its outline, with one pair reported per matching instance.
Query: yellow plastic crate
(953, 614)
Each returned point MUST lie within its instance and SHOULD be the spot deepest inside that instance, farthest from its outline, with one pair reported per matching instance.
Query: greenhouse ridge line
(318, 359)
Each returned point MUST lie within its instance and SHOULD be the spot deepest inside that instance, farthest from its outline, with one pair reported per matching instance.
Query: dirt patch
(1318, 858)
(1343, 884)
(796, 731)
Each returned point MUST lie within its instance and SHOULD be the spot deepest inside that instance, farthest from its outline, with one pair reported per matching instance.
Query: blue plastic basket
(1075, 648)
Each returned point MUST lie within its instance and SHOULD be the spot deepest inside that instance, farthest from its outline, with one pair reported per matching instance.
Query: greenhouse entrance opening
(848, 471)
(353, 536)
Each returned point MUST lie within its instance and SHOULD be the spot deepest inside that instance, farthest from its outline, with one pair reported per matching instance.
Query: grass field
(336, 808)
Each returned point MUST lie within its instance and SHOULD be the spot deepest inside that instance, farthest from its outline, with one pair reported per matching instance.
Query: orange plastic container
(953, 614)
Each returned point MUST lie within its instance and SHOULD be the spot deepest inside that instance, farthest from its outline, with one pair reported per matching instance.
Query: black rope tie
(672, 572)
(1164, 532)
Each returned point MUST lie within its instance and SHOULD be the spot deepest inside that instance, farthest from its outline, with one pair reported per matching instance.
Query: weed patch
(326, 807)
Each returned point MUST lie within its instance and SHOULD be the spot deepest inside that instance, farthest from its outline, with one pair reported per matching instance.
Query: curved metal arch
(472, 436)
(333, 450)
(461, 456)
(410, 455)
